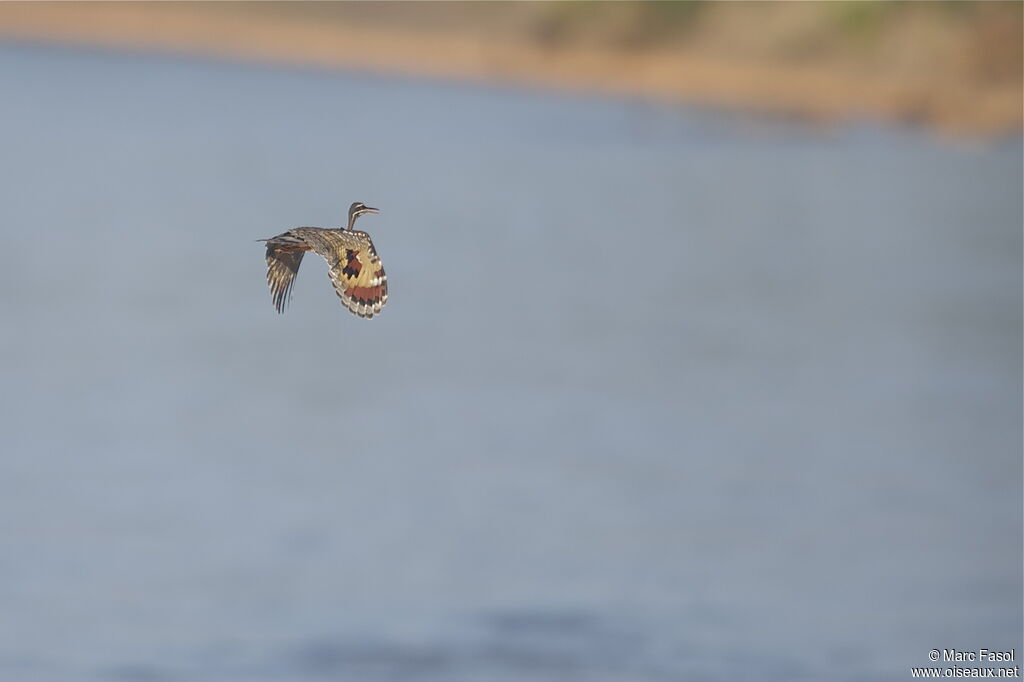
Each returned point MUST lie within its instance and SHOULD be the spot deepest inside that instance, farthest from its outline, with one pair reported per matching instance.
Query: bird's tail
(286, 242)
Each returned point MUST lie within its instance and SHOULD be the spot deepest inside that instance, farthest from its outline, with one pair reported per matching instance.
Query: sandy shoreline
(808, 90)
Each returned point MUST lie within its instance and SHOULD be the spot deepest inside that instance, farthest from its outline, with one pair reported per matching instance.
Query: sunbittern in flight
(353, 265)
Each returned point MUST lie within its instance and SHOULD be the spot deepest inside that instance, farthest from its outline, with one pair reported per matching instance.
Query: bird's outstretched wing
(357, 273)
(284, 255)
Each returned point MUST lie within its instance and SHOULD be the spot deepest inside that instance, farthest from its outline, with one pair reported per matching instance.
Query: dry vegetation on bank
(952, 65)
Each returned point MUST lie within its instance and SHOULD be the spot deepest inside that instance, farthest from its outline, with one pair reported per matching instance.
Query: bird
(353, 265)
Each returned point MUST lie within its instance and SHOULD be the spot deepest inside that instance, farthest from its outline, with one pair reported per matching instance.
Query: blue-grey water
(659, 394)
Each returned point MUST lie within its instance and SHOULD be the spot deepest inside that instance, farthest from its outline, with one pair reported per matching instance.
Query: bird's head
(357, 209)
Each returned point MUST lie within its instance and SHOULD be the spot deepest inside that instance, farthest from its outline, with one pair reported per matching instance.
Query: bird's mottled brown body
(353, 266)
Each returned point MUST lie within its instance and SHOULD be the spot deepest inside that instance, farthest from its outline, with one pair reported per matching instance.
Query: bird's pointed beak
(368, 209)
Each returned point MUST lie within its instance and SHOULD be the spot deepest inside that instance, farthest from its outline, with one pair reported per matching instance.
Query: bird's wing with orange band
(358, 275)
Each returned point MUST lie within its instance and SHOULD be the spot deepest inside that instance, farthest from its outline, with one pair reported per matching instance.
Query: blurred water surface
(659, 394)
